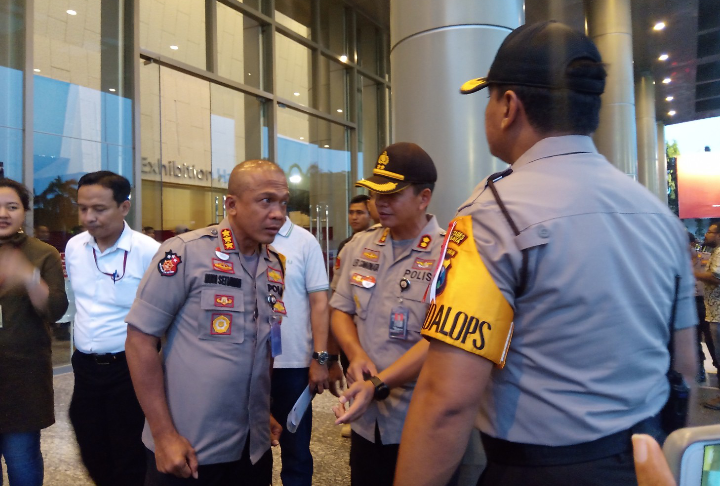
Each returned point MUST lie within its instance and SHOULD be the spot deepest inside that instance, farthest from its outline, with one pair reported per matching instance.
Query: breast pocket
(362, 301)
(124, 291)
(413, 300)
(222, 315)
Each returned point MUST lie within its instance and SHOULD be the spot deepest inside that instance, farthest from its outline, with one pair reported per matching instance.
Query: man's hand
(651, 467)
(318, 379)
(275, 431)
(362, 393)
(174, 455)
(335, 378)
(358, 367)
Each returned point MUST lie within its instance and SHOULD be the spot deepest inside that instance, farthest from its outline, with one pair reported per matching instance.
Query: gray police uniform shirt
(217, 355)
(369, 289)
(588, 354)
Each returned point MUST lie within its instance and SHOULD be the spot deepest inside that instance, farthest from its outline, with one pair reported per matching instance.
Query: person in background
(306, 358)
(703, 328)
(358, 217)
(710, 278)
(180, 229)
(42, 233)
(32, 296)
(105, 265)
(149, 231)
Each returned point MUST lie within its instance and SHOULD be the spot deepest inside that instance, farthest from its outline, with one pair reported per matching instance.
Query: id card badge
(275, 336)
(398, 322)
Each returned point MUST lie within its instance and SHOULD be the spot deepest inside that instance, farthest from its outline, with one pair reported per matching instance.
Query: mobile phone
(693, 454)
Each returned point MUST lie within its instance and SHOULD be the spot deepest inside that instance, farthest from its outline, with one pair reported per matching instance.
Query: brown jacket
(26, 386)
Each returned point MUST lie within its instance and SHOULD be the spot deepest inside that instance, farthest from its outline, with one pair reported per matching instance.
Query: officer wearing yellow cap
(378, 302)
(551, 310)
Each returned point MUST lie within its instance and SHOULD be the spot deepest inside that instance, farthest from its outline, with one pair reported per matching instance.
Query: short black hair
(22, 191)
(360, 199)
(561, 110)
(119, 185)
(418, 188)
(148, 228)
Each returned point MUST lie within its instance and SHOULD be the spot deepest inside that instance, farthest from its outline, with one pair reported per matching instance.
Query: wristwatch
(322, 357)
(381, 389)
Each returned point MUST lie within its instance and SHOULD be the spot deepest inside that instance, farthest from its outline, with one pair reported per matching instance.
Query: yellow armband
(467, 309)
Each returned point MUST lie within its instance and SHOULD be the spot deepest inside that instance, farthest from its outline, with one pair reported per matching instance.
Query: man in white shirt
(305, 359)
(105, 265)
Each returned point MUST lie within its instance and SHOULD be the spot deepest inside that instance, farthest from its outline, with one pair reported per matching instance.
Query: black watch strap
(333, 357)
(381, 389)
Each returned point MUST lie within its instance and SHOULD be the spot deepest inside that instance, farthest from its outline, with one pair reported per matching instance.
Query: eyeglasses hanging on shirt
(114, 276)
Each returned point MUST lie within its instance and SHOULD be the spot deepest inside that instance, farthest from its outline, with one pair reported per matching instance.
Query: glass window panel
(369, 139)
(12, 59)
(11, 143)
(150, 155)
(239, 47)
(293, 70)
(296, 15)
(315, 156)
(174, 28)
(333, 90)
(333, 26)
(367, 45)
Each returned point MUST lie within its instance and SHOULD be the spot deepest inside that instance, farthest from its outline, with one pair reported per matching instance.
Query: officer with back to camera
(552, 307)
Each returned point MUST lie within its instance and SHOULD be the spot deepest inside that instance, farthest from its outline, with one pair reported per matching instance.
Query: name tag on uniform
(398, 322)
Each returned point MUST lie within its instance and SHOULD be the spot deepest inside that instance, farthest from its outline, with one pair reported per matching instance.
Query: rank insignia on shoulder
(279, 307)
(224, 300)
(274, 275)
(362, 280)
(421, 264)
(383, 237)
(168, 265)
(337, 263)
(221, 266)
(227, 239)
(369, 254)
(425, 241)
(221, 324)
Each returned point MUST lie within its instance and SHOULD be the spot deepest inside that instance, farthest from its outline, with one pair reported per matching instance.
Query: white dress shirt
(102, 301)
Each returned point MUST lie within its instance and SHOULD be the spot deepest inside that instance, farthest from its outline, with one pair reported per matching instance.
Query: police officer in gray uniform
(215, 294)
(379, 304)
(551, 311)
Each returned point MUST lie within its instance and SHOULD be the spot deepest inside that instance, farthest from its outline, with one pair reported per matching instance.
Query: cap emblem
(383, 160)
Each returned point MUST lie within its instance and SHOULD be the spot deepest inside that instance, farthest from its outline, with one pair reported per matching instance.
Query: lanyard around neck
(114, 275)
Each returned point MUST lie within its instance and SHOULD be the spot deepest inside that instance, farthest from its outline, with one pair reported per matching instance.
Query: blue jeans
(23, 458)
(297, 462)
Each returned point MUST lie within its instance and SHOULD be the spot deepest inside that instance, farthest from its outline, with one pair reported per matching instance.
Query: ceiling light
(296, 93)
(659, 26)
(249, 74)
(295, 178)
(671, 112)
(343, 58)
(112, 90)
(302, 138)
(663, 57)
(71, 12)
(36, 70)
(669, 98)
(326, 146)
(174, 48)
(339, 110)
(667, 81)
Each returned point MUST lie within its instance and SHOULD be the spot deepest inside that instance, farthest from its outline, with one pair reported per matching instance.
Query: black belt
(518, 454)
(104, 359)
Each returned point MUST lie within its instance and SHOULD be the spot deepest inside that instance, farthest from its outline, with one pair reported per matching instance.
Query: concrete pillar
(662, 163)
(647, 147)
(610, 27)
(435, 47)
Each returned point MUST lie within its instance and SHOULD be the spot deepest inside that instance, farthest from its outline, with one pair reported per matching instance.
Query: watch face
(323, 357)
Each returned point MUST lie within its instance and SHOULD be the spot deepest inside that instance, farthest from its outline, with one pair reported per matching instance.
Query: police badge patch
(168, 266)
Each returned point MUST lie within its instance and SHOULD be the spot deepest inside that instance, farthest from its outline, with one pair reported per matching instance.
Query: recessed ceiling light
(671, 112)
(296, 93)
(663, 57)
(36, 70)
(71, 12)
(249, 74)
(302, 138)
(339, 110)
(343, 58)
(659, 26)
(326, 146)
(667, 81)
(174, 48)
(295, 178)
(669, 98)
(111, 90)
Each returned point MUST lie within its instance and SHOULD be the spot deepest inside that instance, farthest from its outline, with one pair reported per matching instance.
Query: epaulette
(280, 257)
(374, 227)
(198, 233)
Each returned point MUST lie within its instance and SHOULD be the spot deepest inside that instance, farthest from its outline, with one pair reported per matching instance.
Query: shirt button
(543, 232)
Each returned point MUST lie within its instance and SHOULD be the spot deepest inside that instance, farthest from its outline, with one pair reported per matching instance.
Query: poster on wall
(699, 185)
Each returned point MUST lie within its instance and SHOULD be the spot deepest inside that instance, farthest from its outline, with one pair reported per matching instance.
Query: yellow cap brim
(382, 188)
(473, 85)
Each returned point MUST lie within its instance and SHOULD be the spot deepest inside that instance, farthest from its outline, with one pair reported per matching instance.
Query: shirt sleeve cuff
(342, 303)
(148, 318)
